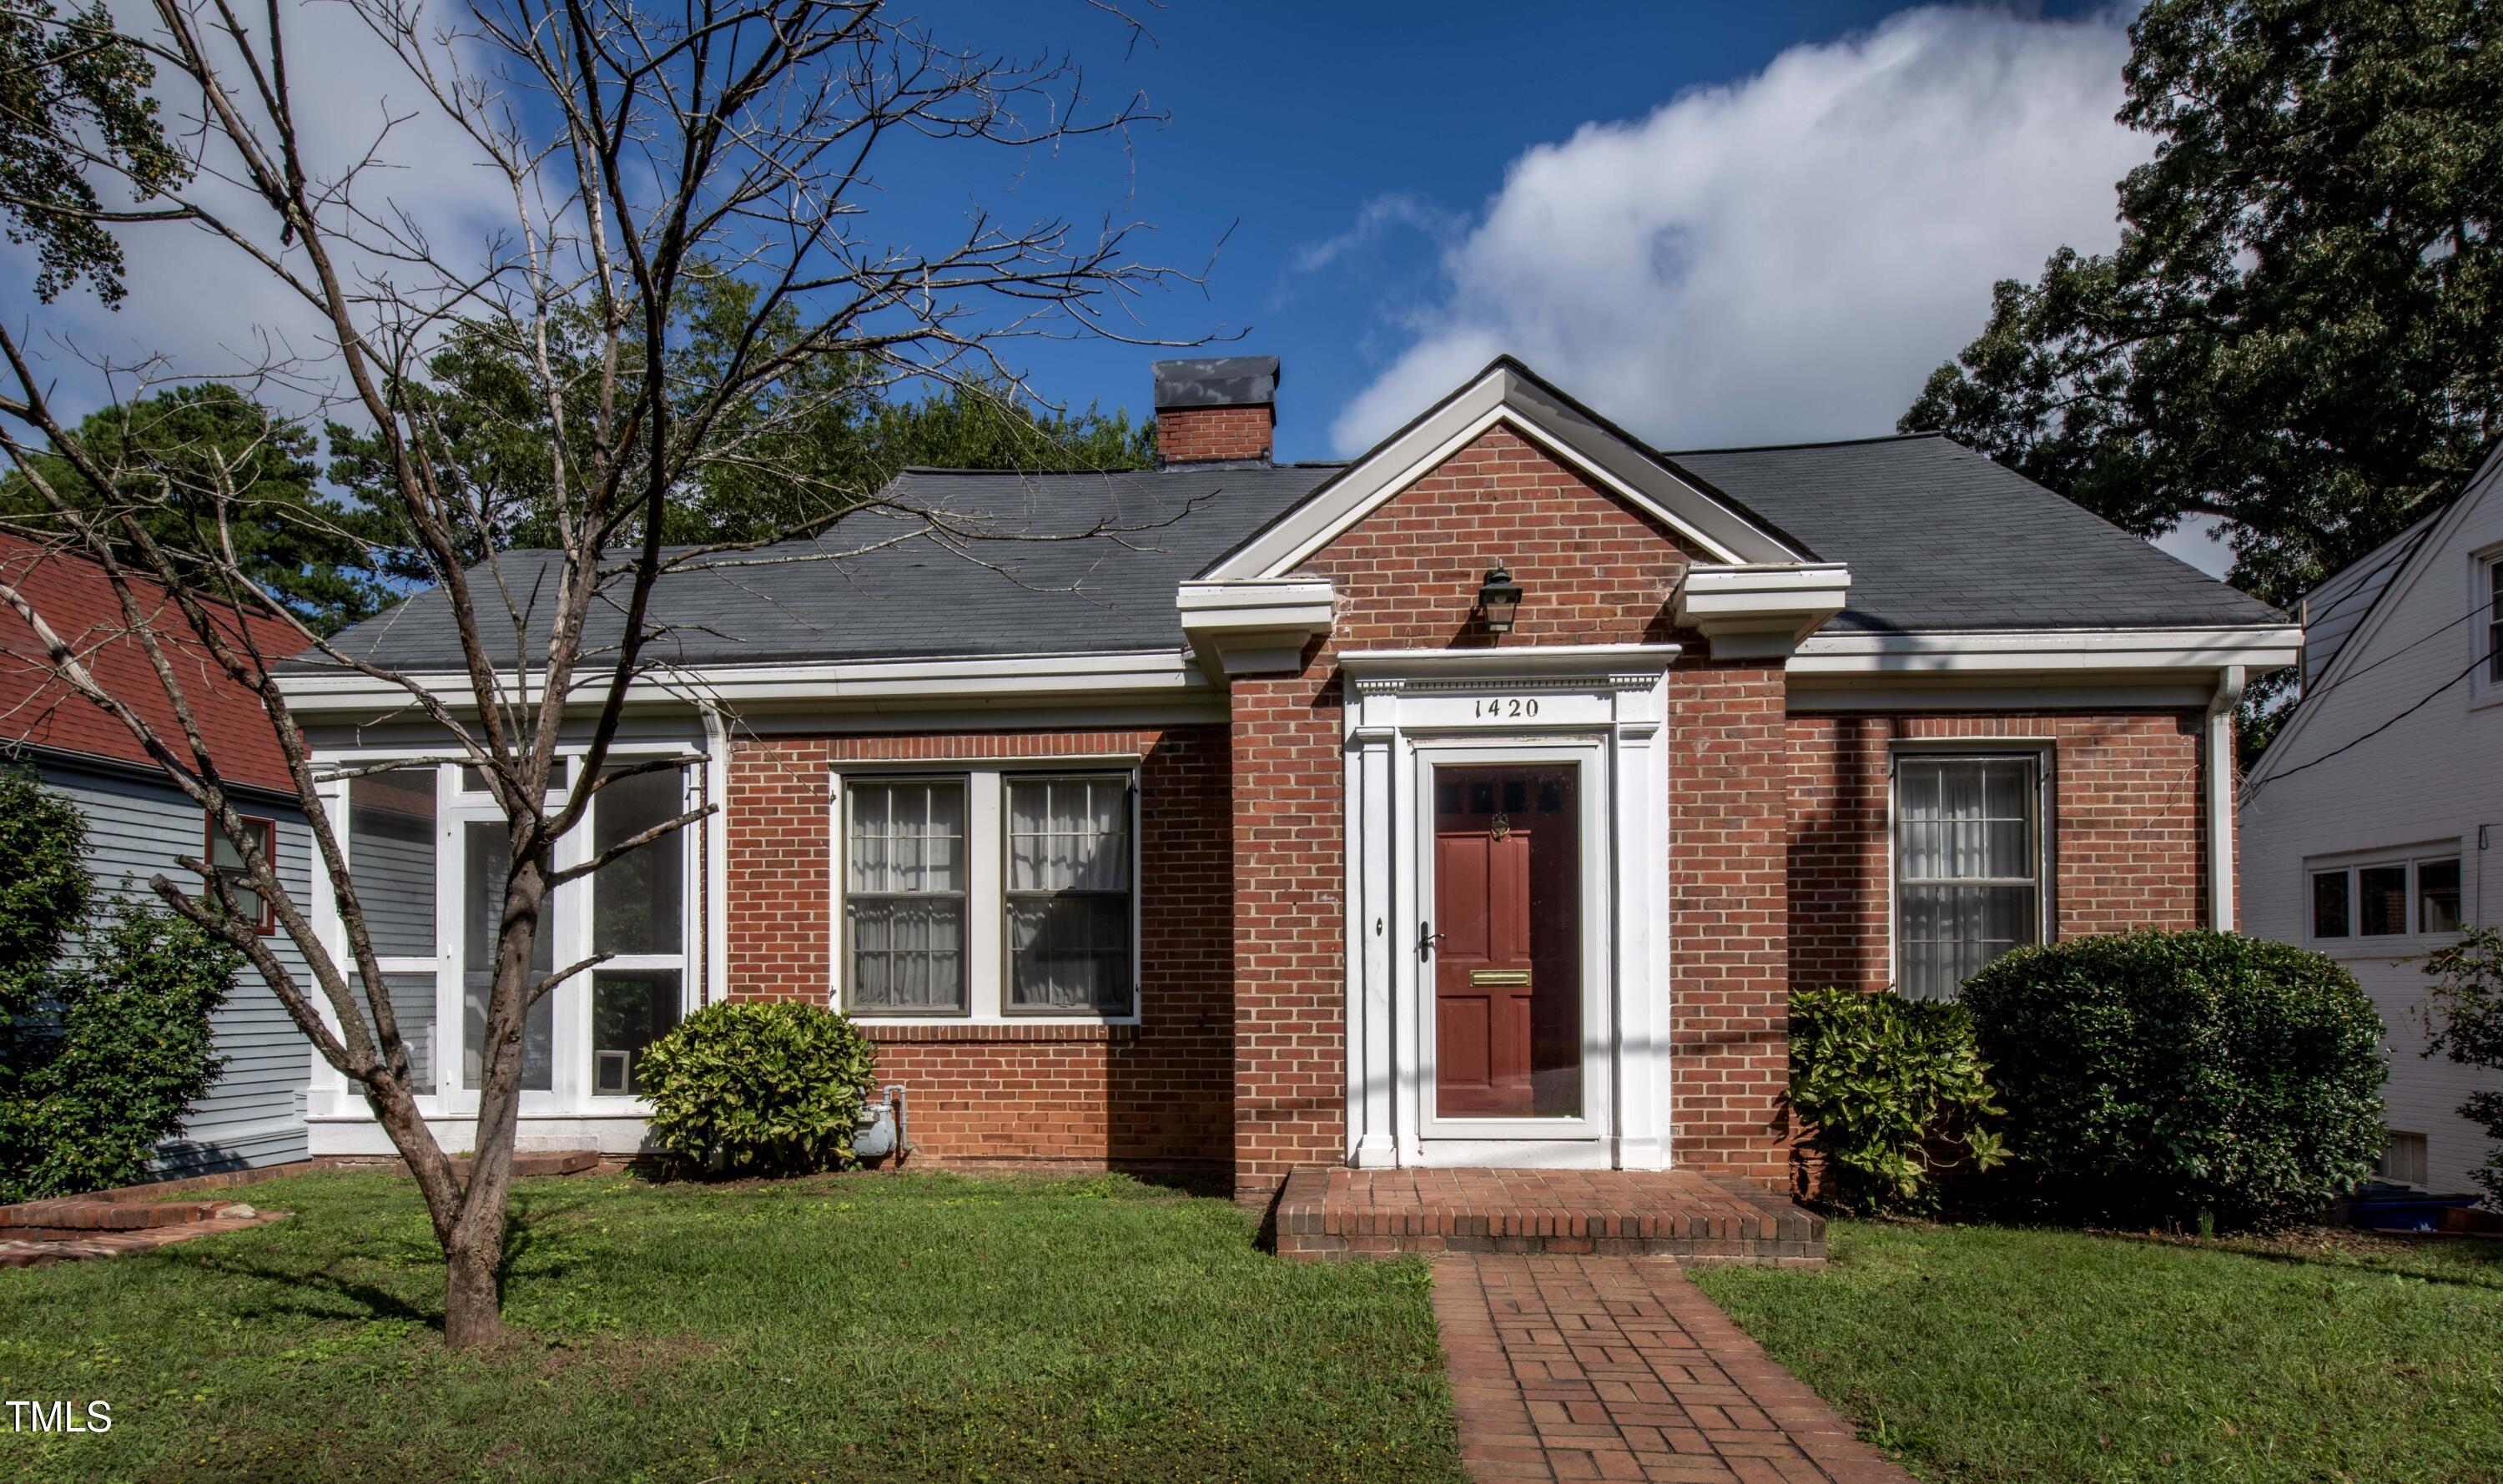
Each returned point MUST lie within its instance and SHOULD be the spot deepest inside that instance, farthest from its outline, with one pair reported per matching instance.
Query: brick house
(1476, 801)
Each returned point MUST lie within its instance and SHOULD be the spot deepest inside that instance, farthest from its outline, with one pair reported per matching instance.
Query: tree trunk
(472, 1313)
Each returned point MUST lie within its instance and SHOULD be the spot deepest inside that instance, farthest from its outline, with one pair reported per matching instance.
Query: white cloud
(201, 303)
(2200, 541)
(1787, 257)
(1379, 217)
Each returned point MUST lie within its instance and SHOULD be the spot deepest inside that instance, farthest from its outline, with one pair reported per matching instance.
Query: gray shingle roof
(1939, 537)
(924, 596)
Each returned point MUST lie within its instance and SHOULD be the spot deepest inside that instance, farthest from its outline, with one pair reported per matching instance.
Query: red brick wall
(2128, 827)
(1729, 918)
(1187, 434)
(1594, 571)
(1156, 1095)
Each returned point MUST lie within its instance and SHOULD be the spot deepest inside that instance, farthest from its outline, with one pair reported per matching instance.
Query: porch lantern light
(1498, 599)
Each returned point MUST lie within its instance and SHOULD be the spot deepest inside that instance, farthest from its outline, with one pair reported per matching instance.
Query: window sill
(969, 1033)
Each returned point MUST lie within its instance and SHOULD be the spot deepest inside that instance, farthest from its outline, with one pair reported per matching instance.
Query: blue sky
(1287, 122)
(1718, 223)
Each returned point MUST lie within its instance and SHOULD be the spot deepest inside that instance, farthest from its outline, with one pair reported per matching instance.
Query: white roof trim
(1253, 626)
(971, 681)
(2267, 647)
(1541, 661)
(1503, 395)
(1759, 610)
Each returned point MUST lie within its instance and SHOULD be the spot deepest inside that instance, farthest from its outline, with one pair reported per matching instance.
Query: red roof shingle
(74, 597)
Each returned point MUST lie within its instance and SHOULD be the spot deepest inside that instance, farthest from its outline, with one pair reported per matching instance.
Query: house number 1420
(1504, 708)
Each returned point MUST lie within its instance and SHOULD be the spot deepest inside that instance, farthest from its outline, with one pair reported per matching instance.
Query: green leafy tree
(99, 1054)
(2300, 332)
(785, 460)
(71, 89)
(2464, 1022)
(206, 469)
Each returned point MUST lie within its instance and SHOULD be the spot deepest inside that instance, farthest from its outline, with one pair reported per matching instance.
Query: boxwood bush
(1895, 1093)
(759, 1087)
(2181, 1078)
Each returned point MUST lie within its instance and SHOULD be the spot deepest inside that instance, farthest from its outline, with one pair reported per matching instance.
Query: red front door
(1507, 961)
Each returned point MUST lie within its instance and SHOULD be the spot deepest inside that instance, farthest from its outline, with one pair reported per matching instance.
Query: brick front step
(1694, 1215)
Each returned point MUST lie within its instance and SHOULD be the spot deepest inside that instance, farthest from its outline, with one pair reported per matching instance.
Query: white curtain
(1968, 863)
(1069, 893)
(905, 895)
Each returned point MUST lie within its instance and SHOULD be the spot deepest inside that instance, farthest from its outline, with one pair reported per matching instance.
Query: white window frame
(2484, 574)
(986, 948)
(2352, 864)
(2042, 752)
(572, 1078)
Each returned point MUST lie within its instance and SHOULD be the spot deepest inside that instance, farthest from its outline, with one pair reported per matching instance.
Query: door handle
(1427, 938)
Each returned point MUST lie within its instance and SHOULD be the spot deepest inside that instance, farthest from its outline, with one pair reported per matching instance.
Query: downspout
(2220, 798)
(716, 855)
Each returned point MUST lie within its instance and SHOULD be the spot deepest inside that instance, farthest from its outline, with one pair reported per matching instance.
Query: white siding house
(2371, 827)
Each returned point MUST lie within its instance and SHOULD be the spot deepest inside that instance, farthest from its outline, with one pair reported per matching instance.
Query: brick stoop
(40, 1233)
(1701, 1216)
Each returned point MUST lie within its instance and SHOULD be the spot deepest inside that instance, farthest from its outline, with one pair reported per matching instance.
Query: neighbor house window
(1969, 862)
(904, 880)
(2386, 899)
(2494, 620)
(2403, 1159)
(1069, 893)
(2330, 903)
(227, 861)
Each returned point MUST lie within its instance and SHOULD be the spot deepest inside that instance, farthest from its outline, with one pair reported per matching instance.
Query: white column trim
(2220, 798)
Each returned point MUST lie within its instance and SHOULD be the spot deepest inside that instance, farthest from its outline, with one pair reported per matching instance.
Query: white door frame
(1602, 705)
(1588, 756)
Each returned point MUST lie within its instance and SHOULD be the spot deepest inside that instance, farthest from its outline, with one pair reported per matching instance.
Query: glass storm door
(1507, 970)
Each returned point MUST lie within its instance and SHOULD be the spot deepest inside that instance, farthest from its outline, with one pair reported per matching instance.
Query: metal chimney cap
(1226, 380)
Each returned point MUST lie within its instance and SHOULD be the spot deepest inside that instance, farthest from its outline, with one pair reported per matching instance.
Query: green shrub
(759, 1087)
(2464, 1021)
(43, 894)
(1895, 1091)
(2183, 1078)
(125, 1050)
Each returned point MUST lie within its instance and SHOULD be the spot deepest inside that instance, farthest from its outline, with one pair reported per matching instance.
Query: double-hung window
(995, 893)
(903, 897)
(1967, 866)
(1069, 895)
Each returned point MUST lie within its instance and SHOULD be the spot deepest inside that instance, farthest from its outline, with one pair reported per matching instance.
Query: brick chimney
(1217, 411)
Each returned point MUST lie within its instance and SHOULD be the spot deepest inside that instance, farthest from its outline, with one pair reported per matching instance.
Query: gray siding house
(139, 826)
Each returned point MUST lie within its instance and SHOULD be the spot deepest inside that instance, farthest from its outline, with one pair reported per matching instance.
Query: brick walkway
(1611, 1367)
(1329, 1212)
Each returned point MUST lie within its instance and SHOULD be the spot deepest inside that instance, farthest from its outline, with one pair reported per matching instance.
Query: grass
(890, 1328)
(1986, 1354)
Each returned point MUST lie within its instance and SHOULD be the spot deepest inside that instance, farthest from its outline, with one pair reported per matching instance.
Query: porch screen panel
(903, 896)
(484, 844)
(639, 904)
(1069, 895)
(1967, 861)
(391, 863)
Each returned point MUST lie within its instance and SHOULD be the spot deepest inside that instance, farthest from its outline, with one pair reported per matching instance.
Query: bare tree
(643, 146)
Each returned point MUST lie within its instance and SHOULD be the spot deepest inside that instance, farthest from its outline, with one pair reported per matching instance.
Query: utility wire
(2420, 704)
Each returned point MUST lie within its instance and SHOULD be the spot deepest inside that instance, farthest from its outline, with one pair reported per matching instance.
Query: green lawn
(872, 1328)
(1989, 1354)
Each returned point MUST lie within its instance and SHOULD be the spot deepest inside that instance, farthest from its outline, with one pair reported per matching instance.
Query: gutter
(2221, 796)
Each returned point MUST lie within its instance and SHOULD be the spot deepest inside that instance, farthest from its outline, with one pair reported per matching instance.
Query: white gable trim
(2425, 558)
(1504, 395)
